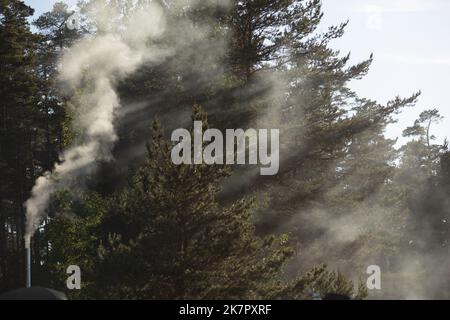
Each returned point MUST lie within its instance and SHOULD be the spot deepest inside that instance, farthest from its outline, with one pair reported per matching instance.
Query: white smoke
(91, 68)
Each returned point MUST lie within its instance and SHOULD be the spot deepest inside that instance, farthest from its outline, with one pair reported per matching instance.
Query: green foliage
(177, 242)
(319, 282)
(71, 238)
(166, 236)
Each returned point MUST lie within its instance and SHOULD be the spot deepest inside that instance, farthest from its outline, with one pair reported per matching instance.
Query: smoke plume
(91, 68)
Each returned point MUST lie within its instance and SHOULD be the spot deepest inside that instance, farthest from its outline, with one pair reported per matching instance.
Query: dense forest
(139, 226)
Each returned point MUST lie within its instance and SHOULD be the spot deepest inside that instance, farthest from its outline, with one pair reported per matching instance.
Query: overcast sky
(410, 42)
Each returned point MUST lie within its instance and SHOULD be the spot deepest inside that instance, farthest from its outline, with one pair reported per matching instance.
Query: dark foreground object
(335, 296)
(33, 293)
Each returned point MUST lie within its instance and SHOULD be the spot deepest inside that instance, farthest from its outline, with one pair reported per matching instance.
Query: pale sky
(410, 42)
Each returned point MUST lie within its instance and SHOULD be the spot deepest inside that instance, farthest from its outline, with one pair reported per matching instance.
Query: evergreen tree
(18, 114)
(177, 242)
(321, 121)
(421, 173)
(420, 153)
(167, 236)
(174, 240)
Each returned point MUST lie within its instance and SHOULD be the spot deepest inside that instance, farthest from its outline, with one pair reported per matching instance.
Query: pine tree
(422, 164)
(18, 114)
(319, 119)
(369, 203)
(172, 239)
(180, 241)
(421, 153)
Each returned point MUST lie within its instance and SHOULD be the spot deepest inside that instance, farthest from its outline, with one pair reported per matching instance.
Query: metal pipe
(28, 252)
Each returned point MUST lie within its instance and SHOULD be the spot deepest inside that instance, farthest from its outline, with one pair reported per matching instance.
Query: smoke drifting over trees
(85, 122)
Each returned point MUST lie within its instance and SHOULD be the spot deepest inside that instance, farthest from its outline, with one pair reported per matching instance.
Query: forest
(86, 115)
